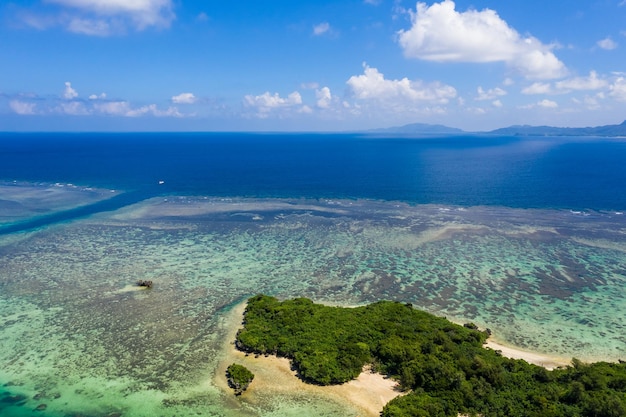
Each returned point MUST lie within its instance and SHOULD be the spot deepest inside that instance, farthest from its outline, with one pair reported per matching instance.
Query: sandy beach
(367, 394)
(547, 361)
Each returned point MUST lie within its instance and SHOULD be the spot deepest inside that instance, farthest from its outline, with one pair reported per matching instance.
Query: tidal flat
(79, 338)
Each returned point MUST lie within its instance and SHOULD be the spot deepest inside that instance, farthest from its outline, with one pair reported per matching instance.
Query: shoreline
(547, 361)
(366, 395)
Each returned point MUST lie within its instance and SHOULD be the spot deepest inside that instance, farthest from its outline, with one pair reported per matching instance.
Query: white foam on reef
(20, 201)
(77, 332)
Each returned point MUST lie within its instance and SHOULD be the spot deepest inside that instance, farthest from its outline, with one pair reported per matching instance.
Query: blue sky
(306, 65)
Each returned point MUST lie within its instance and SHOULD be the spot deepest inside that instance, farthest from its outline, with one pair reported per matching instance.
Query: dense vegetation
(442, 365)
(239, 377)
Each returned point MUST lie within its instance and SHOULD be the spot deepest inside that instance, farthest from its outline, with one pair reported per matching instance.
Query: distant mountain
(525, 130)
(517, 130)
(419, 128)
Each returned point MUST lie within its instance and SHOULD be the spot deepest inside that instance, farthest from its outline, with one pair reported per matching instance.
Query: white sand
(367, 394)
(547, 361)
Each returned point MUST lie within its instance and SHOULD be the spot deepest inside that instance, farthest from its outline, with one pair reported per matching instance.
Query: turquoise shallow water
(79, 338)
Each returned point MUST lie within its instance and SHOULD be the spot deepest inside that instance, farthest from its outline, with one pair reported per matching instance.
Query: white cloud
(476, 110)
(153, 110)
(116, 108)
(273, 100)
(607, 43)
(618, 89)
(591, 103)
(265, 103)
(22, 107)
(496, 103)
(123, 108)
(440, 33)
(103, 17)
(548, 104)
(321, 28)
(538, 88)
(489, 94)
(309, 86)
(372, 85)
(545, 103)
(184, 98)
(143, 13)
(69, 93)
(91, 27)
(96, 105)
(73, 108)
(324, 97)
(592, 82)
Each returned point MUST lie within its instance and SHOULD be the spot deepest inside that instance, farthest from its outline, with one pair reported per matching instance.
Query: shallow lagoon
(78, 337)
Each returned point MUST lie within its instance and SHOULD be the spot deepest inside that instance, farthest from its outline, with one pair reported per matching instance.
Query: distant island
(420, 128)
(518, 130)
(442, 367)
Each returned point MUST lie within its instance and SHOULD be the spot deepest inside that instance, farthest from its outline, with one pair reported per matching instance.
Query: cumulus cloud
(184, 98)
(73, 108)
(124, 108)
(545, 103)
(117, 108)
(607, 43)
(549, 104)
(592, 82)
(22, 107)
(265, 103)
(321, 28)
(490, 94)
(591, 102)
(617, 90)
(69, 93)
(69, 104)
(372, 85)
(273, 100)
(324, 97)
(440, 33)
(537, 88)
(103, 17)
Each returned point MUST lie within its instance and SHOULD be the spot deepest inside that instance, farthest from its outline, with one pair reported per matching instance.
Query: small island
(442, 367)
(239, 378)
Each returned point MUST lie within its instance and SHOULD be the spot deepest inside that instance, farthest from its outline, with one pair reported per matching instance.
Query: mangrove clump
(239, 378)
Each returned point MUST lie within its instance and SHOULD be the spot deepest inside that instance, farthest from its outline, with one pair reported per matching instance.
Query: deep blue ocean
(78, 337)
(523, 172)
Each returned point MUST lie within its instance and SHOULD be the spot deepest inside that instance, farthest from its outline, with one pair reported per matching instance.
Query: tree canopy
(443, 366)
